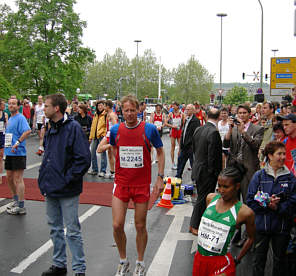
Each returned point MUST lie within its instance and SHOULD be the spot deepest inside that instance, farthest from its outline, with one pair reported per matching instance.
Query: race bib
(212, 235)
(158, 123)
(2, 128)
(131, 157)
(8, 140)
(176, 122)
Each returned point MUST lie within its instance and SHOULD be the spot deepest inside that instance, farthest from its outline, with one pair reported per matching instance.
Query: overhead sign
(282, 75)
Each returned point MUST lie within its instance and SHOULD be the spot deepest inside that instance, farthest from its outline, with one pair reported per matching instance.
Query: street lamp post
(274, 51)
(221, 15)
(261, 67)
(137, 41)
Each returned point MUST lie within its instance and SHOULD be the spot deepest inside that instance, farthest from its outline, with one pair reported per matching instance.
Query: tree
(192, 82)
(6, 89)
(237, 95)
(115, 76)
(46, 53)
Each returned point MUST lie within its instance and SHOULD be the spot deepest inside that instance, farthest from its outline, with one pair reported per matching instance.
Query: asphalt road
(25, 248)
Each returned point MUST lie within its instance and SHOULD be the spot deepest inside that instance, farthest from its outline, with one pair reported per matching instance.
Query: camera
(235, 121)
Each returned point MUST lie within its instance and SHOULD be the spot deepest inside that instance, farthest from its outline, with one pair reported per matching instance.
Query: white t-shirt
(223, 129)
(39, 111)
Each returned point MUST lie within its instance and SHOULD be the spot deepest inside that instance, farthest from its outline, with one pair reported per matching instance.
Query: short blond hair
(130, 98)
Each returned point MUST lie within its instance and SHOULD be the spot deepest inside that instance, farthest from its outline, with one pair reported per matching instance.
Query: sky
(176, 30)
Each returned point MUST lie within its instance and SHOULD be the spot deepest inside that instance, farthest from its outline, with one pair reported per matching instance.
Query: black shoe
(80, 274)
(55, 271)
(240, 243)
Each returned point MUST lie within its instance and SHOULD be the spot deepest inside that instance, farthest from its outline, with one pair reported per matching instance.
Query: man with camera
(244, 139)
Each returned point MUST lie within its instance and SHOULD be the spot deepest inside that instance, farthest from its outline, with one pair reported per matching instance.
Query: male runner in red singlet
(131, 143)
(157, 118)
(200, 114)
(177, 121)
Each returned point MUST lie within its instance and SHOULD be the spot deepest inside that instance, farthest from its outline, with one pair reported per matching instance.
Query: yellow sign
(282, 75)
(283, 65)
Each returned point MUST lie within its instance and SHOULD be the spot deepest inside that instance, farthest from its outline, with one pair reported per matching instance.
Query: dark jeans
(279, 245)
(182, 159)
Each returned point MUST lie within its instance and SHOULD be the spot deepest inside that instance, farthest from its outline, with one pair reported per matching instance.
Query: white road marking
(28, 168)
(33, 166)
(45, 247)
(163, 258)
(3, 208)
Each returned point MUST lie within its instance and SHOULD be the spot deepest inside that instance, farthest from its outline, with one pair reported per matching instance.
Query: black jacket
(207, 152)
(85, 123)
(186, 144)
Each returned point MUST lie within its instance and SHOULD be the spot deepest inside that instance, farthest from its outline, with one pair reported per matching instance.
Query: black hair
(58, 99)
(224, 109)
(244, 106)
(279, 126)
(236, 171)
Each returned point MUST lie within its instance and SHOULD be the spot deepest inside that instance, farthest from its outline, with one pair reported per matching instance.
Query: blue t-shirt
(17, 125)
(151, 133)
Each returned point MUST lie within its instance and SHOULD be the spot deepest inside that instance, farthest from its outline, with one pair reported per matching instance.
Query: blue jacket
(66, 159)
(267, 220)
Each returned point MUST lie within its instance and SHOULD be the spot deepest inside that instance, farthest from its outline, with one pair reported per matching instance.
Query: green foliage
(237, 95)
(192, 82)
(6, 89)
(115, 76)
(45, 48)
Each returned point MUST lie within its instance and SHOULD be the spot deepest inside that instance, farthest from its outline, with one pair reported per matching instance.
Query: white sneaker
(109, 175)
(139, 270)
(101, 174)
(123, 269)
(174, 167)
(16, 211)
(12, 204)
(92, 172)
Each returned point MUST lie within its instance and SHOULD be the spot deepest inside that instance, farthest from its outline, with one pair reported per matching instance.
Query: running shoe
(12, 204)
(16, 211)
(139, 270)
(123, 269)
(92, 172)
(109, 175)
(174, 167)
(101, 174)
(39, 152)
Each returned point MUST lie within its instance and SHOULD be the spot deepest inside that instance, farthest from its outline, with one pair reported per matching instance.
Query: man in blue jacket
(66, 159)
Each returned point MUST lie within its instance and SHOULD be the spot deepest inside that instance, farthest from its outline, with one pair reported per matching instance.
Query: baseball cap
(290, 116)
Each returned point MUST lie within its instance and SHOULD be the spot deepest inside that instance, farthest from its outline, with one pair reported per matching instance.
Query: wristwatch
(160, 175)
(17, 143)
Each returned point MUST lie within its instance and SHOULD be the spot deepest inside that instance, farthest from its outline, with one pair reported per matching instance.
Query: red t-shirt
(291, 154)
(27, 111)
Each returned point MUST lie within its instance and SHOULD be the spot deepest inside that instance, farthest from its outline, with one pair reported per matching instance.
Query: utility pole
(261, 67)
(137, 61)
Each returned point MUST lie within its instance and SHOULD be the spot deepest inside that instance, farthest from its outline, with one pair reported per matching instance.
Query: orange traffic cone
(166, 197)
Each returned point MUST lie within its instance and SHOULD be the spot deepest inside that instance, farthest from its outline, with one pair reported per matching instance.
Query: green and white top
(216, 230)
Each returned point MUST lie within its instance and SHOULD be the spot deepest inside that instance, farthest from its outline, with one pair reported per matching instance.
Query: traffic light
(266, 77)
(244, 76)
(259, 98)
